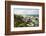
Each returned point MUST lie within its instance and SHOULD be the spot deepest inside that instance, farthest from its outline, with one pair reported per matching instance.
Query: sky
(24, 11)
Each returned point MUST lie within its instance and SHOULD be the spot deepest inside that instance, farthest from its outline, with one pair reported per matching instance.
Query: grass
(21, 21)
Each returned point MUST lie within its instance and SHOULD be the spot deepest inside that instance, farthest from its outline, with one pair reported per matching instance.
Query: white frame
(26, 28)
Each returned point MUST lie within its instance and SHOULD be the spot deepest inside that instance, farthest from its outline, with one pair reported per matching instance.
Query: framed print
(24, 17)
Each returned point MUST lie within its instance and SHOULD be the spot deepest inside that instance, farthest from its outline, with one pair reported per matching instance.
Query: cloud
(22, 12)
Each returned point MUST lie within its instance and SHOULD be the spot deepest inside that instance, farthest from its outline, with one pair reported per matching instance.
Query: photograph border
(8, 17)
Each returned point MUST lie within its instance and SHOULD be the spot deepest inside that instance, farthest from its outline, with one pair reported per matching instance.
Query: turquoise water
(29, 15)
